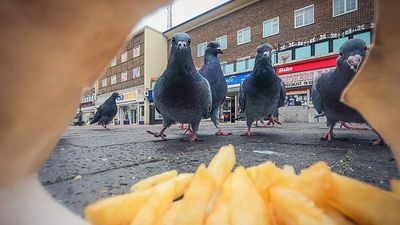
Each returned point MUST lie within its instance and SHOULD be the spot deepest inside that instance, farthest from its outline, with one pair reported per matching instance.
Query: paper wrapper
(373, 91)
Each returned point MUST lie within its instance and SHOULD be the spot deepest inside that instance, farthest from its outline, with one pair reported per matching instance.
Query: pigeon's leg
(262, 122)
(188, 129)
(105, 126)
(193, 136)
(272, 121)
(183, 127)
(329, 135)
(351, 126)
(215, 119)
(248, 133)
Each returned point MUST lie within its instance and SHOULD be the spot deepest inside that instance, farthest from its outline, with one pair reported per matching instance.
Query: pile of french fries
(263, 194)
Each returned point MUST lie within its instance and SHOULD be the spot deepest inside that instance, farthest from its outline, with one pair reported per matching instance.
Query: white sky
(182, 10)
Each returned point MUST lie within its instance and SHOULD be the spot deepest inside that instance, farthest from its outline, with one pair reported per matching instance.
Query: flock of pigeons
(184, 95)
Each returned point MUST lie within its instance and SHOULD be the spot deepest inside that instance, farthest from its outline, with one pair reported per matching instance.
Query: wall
(292, 114)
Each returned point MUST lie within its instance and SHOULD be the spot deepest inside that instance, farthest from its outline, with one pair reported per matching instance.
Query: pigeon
(106, 111)
(327, 88)
(212, 71)
(263, 91)
(181, 94)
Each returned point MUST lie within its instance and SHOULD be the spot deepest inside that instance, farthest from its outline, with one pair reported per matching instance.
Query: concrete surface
(90, 163)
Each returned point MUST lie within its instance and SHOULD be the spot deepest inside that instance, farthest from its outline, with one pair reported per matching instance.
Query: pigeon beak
(354, 61)
(219, 51)
(266, 54)
(182, 45)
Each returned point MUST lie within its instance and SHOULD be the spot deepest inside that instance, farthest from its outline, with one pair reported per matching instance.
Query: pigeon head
(352, 54)
(213, 48)
(115, 95)
(263, 56)
(180, 42)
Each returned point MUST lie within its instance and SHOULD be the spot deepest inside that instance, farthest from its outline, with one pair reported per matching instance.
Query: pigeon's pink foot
(351, 126)
(380, 141)
(328, 137)
(272, 121)
(264, 125)
(249, 134)
(221, 132)
(183, 126)
(159, 134)
(193, 138)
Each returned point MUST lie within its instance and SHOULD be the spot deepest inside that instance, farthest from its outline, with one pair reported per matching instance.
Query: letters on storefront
(302, 78)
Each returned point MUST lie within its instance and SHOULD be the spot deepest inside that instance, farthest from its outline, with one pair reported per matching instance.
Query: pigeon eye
(189, 41)
(173, 41)
(341, 53)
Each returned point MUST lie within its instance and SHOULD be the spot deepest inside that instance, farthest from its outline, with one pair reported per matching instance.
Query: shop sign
(130, 96)
(88, 98)
(302, 78)
(236, 78)
(305, 66)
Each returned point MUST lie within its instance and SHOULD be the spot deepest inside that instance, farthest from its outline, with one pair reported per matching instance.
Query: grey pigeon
(327, 88)
(106, 111)
(181, 94)
(212, 71)
(262, 92)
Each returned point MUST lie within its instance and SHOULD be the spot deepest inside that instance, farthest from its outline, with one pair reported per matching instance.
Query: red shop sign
(308, 65)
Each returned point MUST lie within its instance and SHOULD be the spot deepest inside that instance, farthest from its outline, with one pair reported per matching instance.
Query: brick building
(306, 36)
(142, 59)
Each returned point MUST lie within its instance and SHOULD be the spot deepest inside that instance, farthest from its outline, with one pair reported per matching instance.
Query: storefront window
(337, 43)
(273, 58)
(251, 63)
(285, 56)
(322, 48)
(303, 52)
(297, 100)
(366, 36)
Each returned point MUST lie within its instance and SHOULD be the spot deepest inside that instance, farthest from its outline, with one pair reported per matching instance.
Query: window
(271, 27)
(223, 42)
(223, 67)
(229, 68)
(341, 7)
(124, 76)
(114, 61)
(136, 52)
(321, 48)
(244, 64)
(243, 36)
(303, 52)
(273, 58)
(124, 56)
(104, 82)
(304, 16)
(201, 48)
(113, 79)
(136, 72)
(337, 43)
(285, 56)
(366, 36)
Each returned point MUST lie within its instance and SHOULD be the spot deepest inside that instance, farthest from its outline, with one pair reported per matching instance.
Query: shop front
(130, 108)
(87, 107)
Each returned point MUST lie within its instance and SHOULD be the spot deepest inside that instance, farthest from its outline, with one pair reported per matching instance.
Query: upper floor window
(285, 56)
(321, 48)
(124, 56)
(243, 36)
(304, 16)
(124, 76)
(114, 61)
(303, 52)
(341, 7)
(223, 42)
(113, 79)
(136, 51)
(366, 36)
(271, 27)
(244, 64)
(136, 72)
(104, 82)
(337, 43)
(229, 68)
(201, 48)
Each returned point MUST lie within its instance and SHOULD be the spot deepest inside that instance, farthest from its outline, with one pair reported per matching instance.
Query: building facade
(306, 37)
(141, 59)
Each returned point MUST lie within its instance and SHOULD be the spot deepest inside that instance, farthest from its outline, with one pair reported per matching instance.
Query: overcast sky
(182, 10)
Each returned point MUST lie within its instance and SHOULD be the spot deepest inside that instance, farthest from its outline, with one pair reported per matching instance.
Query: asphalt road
(90, 163)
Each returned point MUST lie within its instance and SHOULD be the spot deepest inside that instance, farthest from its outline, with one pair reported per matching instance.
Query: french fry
(267, 174)
(335, 215)
(153, 180)
(157, 204)
(395, 185)
(116, 210)
(246, 206)
(220, 211)
(289, 170)
(294, 208)
(315, 182)
(196, 197)
(171, 215)
(182, 182)
(364, 203)
(222, 164)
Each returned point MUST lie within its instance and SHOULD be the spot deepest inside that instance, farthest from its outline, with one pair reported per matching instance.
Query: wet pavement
(90, 163)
